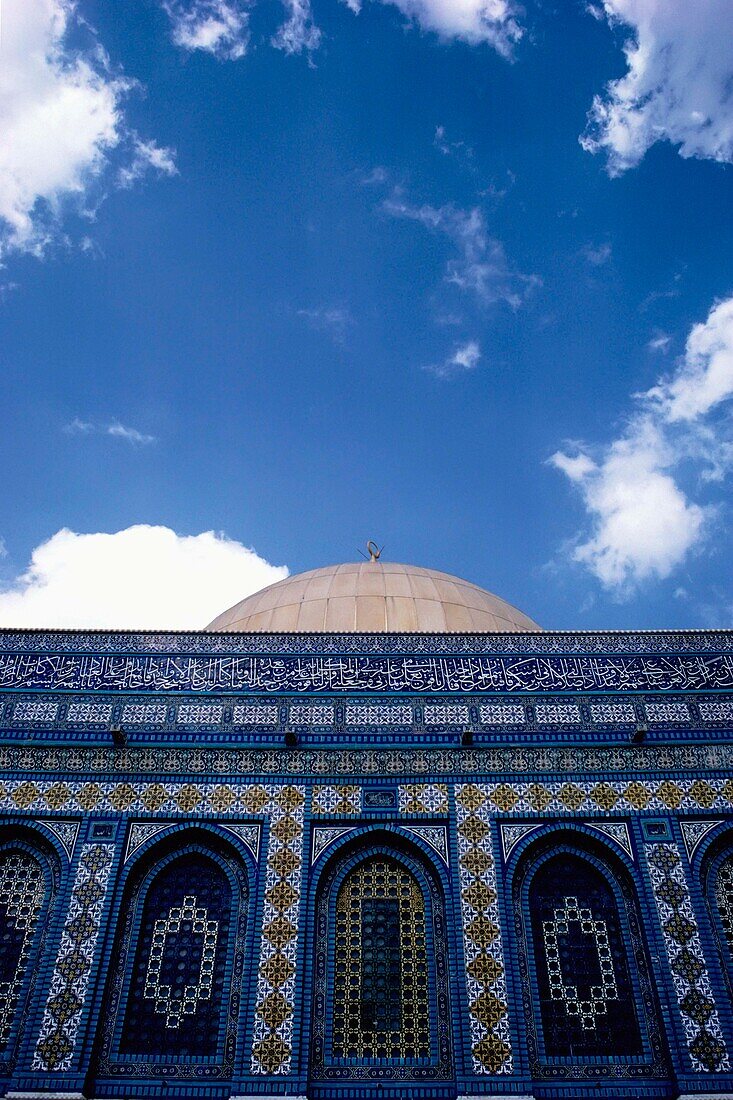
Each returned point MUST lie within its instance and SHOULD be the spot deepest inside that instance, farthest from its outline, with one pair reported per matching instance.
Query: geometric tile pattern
(358, 761)
(658, 642)
(716, 712)
(141, 713)
(557, 713)
(485, 975)
(689, 970)
(70, 980)
(205, 713)
(450, 714)
(243, 715)
(423, 798)
(273, 1028)
(386, 714)
(502, 714)
(337, 800)
(560, 796)
(34, 712)
(302, 714)
(667, 712)
(22, 890)
(612, 712)
(89, 712)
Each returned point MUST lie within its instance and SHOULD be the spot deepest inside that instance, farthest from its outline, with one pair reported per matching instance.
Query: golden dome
(373, 596)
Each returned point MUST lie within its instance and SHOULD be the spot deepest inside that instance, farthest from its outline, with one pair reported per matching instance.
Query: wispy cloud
(146, 157)
(376, 176)
(114, 429)
(335, 321)
(460, 151)
(660, 341)
(464, 358)
(677, 86)
(481, 266)
(222, 27)
(644, 523)
(298, 34)
(218, 27)
(63, 124)
(597, 254)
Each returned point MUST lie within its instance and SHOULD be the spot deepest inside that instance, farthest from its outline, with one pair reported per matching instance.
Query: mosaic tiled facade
(72, 972)
(482, 938)
(312, 865)
(22, 891)
(695, 998)
(272, 1042)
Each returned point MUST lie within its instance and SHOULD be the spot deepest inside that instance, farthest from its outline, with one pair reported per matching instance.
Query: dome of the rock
(377, 596)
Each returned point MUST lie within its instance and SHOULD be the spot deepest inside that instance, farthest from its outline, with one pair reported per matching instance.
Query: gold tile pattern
(423, 798)
(273, 1028)
(485, 978)
(700, 1021)
(60, 1024)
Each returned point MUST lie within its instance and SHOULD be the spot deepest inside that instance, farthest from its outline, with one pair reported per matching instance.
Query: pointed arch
(173, 997)
(717, 883)
(589, 1001)
(29, 878)
(381, 978)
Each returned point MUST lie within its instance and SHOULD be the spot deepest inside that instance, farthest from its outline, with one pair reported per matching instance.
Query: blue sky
(455, 276)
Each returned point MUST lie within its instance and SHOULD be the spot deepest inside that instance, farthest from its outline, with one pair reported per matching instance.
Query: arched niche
(173, 996)
(590, 1007)
(381, 990)
(30, 871)
(717, 883)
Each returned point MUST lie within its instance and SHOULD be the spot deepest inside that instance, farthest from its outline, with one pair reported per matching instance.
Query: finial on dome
(375, 552)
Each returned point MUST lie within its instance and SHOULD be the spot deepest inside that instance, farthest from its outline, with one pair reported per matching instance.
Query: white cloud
(218, 27)
(704, 375)
(644, 526)
(643, 522)
(143, 578)
(146, 156)
(677, 86)
(494, 22)
(221, 27)
(465, 357)
(61, 119)
(481, 266)
(298, 33)
(113, 429)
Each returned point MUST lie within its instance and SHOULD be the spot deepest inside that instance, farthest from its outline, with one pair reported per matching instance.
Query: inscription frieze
(309, 674)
